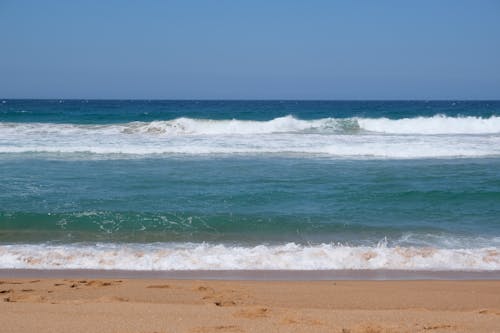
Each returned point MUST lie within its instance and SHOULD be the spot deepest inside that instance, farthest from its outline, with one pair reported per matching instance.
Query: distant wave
(420, 137)
(220, 257)
(437, 124)
(421, 125)
(432, 125)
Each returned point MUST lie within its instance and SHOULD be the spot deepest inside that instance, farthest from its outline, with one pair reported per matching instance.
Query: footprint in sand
(302, 321)
(490, 311)
(222, 328)
(159, 286)
(221, 298)
(91, 283)
(10, 282)
(225, 303)
(96, 283)
(438, 327)
(111, 299)
(24, 298)
(205, 289)
(252, 313)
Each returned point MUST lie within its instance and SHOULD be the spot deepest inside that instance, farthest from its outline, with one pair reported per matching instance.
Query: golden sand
(147, 306)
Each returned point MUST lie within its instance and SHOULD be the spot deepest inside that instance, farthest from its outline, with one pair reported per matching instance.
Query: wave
(421, 125)
(438, 124)
(437, 136)
(291, 256)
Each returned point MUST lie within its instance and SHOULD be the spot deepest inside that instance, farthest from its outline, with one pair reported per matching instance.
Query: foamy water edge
(291, 256)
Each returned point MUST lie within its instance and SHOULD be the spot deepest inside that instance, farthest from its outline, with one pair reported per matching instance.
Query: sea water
(217, 185)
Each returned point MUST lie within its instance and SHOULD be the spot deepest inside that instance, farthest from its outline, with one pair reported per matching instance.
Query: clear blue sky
(259, 49)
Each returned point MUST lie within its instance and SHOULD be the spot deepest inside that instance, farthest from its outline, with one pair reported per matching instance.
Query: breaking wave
(437, 124)
(420, 137)
(291, 256)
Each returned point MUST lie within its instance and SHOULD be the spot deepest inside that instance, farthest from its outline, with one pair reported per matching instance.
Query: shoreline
(257, 275)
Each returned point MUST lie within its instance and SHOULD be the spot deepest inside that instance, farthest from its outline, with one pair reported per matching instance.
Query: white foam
(190, 126)
(432, 125)
(437, 124)
(420, 125)
(162, 256)
(436, 136)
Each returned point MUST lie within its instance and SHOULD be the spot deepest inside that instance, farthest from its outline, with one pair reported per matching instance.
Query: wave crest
(421, 137)
(421, 125)
(438, 124)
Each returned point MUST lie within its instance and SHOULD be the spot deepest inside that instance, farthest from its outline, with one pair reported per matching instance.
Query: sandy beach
(161, 305)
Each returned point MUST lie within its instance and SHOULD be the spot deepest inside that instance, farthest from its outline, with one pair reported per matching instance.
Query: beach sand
(199, 306)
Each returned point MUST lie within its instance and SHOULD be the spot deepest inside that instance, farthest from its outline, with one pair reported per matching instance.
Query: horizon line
(256, 99)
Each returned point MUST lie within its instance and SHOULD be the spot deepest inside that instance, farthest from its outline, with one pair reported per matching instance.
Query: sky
(259, 49)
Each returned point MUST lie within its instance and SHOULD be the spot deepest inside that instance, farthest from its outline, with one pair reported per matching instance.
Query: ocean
(250, 185)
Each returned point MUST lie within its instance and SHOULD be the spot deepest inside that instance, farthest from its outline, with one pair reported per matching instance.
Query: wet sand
(256, 275)
(146, 305)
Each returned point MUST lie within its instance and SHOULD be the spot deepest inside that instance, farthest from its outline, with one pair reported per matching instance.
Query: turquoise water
(250, 185)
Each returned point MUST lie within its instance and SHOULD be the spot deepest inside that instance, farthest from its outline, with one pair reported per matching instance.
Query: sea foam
(438, 124)
(291, 256)
(421, 137)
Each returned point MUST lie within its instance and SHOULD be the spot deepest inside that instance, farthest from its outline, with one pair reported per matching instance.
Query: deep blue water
(117, 111)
